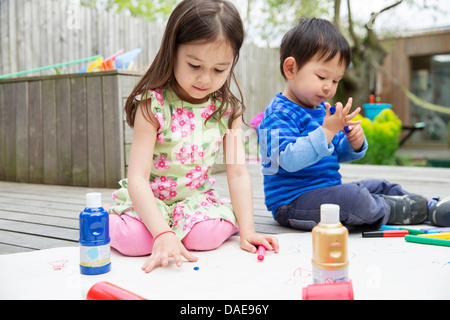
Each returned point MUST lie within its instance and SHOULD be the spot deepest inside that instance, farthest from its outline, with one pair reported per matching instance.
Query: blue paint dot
(196, 268)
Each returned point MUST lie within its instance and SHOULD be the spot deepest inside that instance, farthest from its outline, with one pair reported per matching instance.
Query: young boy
(303, 139)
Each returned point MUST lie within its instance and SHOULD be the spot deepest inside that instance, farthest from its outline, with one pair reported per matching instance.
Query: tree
(267, 21)
(147, 9)
(278, 16)
(275, 17)
(368, 54)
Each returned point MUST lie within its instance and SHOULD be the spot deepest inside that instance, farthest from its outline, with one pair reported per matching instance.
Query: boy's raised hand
(351, 116)
(338, 117)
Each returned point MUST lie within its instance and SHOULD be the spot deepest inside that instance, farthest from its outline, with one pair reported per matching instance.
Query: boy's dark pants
(360, 203)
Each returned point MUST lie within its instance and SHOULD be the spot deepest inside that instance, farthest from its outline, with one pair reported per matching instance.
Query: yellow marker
(436, 235)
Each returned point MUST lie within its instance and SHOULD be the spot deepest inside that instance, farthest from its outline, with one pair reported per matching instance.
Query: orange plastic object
(108, 64)
(109, 291)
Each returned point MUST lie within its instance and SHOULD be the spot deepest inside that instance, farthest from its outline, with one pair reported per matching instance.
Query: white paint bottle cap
(329, 213)
(93, 200)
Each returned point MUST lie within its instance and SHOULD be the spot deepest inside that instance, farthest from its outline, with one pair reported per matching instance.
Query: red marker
(261, 252)
(385, 233)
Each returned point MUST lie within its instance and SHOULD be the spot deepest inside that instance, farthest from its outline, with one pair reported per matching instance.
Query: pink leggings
(131, 237)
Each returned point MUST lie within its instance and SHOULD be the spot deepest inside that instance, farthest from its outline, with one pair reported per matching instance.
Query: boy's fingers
(354, 114)
(349, 103)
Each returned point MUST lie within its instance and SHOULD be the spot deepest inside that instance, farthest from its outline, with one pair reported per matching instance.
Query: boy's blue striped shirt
(294, 151)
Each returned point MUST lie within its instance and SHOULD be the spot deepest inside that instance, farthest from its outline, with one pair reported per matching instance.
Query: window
(431, 82)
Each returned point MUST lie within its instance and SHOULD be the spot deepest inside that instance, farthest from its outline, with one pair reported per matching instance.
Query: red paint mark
(57, 265)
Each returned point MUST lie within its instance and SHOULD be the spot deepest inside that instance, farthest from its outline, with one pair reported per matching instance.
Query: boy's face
(315, 82)
(201, 69)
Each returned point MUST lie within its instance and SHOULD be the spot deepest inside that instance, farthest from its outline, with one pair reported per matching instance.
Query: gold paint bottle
(329, 260)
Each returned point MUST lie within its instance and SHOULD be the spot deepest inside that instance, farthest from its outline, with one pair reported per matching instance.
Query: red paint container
(109, 291)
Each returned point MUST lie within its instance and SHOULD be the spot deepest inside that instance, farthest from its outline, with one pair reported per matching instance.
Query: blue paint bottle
(94, 237)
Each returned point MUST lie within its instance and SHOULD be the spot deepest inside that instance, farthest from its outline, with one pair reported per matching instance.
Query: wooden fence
(37, 33)
(65, 130)
(69, 129)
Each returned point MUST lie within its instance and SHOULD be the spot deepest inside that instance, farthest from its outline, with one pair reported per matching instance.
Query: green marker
(425, 240)
(410, 231)
(413, 231)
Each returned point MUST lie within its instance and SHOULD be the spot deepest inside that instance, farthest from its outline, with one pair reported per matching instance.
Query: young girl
(181, 112)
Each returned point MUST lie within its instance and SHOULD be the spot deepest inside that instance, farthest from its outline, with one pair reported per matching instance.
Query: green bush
(383, 135)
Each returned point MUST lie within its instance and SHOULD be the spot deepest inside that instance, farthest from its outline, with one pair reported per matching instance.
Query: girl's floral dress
(184, 155)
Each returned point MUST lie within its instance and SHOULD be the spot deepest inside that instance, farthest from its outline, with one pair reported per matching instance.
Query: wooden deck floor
(34, 217)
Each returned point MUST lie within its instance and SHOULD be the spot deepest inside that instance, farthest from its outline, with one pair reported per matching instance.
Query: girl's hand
(249, 241)
(167, 246)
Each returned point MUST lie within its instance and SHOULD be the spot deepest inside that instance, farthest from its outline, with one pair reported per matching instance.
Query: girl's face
(201, 68)
(315, 82)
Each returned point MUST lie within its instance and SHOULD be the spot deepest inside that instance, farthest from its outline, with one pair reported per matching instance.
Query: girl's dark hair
(193, 20)
(313, 37)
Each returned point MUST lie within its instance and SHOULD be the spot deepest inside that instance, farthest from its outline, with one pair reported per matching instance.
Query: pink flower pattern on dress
(190, 153)
(208, 110)
(159, 96)
(161, 163)
(217, 144)
(183, 123)
(210, 196)
(180, 174)
(224, 201)
(177, 214)
(196, 177)
(164, 188)
(160, 117)
(191, 219)
(206, 204)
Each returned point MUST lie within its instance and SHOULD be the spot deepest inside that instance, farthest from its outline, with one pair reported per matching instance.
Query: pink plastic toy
(256, 120)
(329, 291)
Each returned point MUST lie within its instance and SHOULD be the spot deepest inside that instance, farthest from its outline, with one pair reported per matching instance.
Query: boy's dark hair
(313, 37)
